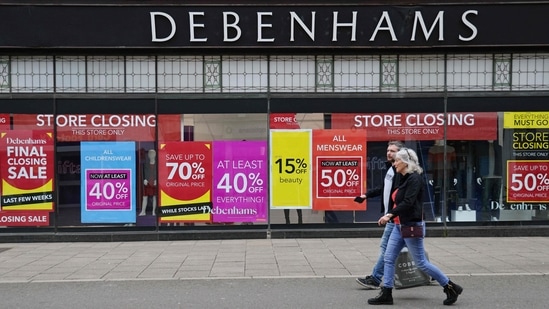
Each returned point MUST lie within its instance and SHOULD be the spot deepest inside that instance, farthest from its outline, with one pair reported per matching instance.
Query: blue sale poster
(107, 179)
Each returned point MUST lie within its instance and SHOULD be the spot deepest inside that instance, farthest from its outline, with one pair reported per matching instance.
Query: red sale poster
(528, 181)
(26, 169)
(339, 169)
(185, 180)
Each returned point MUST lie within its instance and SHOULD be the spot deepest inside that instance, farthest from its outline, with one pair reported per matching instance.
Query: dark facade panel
(105, 106)
(212, 106)
(353, 105)
(26, 106)
(495, 104)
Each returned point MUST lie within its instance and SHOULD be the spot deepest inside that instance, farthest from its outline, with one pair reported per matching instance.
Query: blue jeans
(416, 249)
(377, 272)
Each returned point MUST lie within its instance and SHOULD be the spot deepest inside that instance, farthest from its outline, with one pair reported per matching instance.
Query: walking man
(390, 183)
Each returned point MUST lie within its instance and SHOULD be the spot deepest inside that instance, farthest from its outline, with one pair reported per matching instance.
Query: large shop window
(510, 172)
(481, 163)
(100, 159)
(452, 149)
(525, 166)
(209, 164)
(216, 173)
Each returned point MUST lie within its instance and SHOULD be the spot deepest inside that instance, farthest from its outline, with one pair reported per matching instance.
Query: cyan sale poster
(107, 179)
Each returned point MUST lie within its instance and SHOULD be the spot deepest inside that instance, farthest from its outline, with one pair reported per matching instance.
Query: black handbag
(411, 231)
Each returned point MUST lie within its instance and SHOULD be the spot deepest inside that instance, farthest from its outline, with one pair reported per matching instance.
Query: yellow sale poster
(291, 169)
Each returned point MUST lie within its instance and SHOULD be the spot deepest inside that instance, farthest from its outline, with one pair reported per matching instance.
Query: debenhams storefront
(177, 120)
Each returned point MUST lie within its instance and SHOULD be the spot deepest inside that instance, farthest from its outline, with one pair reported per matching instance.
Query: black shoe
(369, 283)
(385, 297)
(452, 292)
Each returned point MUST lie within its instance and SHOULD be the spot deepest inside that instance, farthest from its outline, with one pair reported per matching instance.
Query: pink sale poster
(239, 181)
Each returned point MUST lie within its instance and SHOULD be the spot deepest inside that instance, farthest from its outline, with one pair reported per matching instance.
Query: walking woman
(408, 211)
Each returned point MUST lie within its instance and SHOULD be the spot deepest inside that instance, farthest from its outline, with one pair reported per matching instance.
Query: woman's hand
(383, 220)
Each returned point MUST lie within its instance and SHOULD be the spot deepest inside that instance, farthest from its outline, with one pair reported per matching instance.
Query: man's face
(391, 152)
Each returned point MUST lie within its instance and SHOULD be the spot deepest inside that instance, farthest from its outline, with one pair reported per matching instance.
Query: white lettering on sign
(98, 121)
(154, 38)
(413, 120)
(231, 20)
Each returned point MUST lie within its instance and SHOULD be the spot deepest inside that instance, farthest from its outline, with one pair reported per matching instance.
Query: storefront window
(506, 178)
(525, 166)
(256, 168)
(98, 164)
(216, 172)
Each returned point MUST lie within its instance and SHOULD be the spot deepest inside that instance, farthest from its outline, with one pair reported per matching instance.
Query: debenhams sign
(247, 26)
(340, 28)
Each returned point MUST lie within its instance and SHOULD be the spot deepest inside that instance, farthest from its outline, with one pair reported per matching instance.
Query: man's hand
(359, 199)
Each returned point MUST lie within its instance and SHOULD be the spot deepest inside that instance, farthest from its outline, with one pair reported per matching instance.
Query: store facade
(189, 117)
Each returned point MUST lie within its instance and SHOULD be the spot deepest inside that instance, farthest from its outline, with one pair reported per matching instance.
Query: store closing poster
(102, 127)
(527, 143)
(108, 176)
(420, 126)
(239, 181)
(27, 177)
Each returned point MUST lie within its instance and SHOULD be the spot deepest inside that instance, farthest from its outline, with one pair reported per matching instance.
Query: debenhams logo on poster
(232, 31)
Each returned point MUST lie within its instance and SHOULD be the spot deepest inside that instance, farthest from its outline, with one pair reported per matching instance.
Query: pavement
(258, 258)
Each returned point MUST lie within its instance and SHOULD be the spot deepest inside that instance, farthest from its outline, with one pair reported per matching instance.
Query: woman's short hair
(409, 157)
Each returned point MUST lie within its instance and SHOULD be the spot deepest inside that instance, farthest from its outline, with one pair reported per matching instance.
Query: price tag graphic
(108, 189)
(339, 177)
(291, 165)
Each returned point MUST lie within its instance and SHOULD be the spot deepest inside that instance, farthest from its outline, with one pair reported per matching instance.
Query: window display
(525, 151)
(149, 169)
(220, 169)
